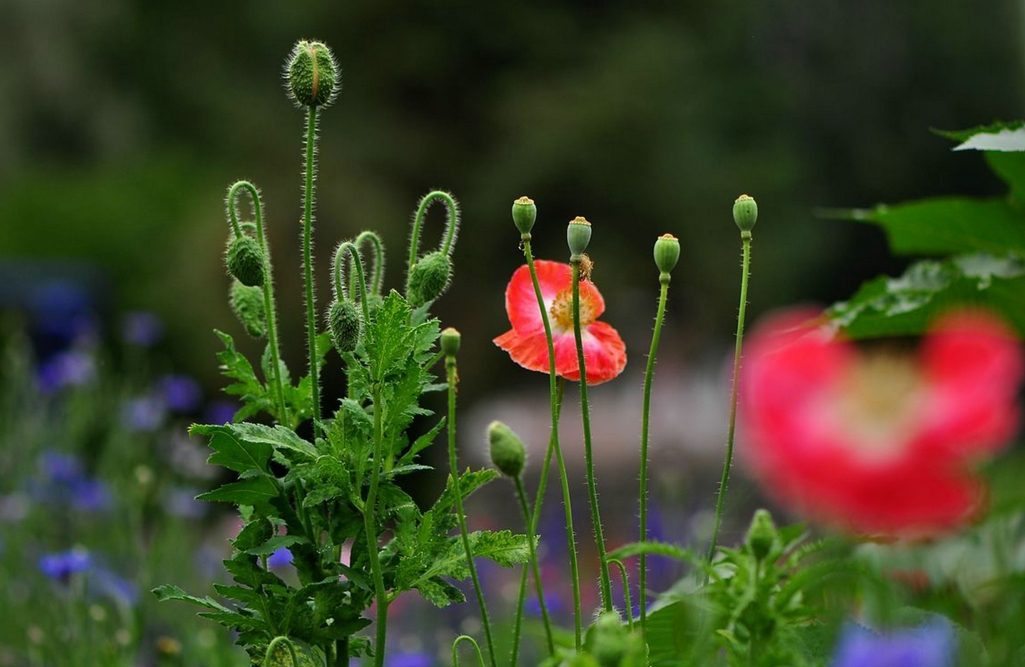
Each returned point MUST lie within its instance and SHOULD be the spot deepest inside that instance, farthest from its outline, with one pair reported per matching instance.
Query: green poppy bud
(247, 303)
(507, 451)
(745, 214)
(667, 253)
(762, 536)
(429, 278)
(524, 213)
(345, 321)
(450, 341)
(245, 261)
(578, 235)
(312, 74)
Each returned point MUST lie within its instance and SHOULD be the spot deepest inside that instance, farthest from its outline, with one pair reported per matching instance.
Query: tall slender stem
(566, 500)
(370, 526)
(648, 372)
(534, 565)
(592, 491)
(541, 486)
(450, 368)
(311, 306)
(733, 396)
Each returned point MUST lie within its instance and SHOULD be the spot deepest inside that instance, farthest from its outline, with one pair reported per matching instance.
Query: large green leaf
(947, 225)
(231, 451)
(250, 491)
(908, 305)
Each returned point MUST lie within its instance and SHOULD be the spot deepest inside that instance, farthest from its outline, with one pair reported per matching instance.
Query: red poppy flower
(879, 442)
(604, 351)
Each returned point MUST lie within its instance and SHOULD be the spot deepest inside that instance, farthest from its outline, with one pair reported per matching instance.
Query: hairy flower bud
(450, 341)
(245, 261)
(667, 253)
(345, 321)
(745, 213)
(247, 304)
(507, 451)
(578, 235)
(524, 213)
(312, 74)
(762, 535)
(429, 278)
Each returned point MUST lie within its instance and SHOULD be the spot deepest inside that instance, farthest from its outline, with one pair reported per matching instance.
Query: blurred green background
(122, 123)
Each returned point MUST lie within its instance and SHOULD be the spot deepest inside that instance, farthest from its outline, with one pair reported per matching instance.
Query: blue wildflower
(141, 328)
(62, 312)
(280, 558)
(930, 645)
(64, 483)
(220, 412)
(117, 588)
(180, 392)
(65, 369)
(182, 503)
(143, 414)
(61, 566)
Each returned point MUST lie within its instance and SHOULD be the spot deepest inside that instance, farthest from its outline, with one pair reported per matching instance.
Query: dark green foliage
(429, 278)
(245, 261)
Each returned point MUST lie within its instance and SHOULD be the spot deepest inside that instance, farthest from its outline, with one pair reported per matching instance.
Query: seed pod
(524, 213)
(245, 261)
(745, 213)
(507, 450)
(247, 304)
(578, 235)
(762, 536)
(429, 278)
(667, 253)
(312, 74)
(345, 321)
(450, 341)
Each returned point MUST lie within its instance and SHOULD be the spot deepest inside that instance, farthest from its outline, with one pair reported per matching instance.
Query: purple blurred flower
(145, 413)
(930, 645)
(553, 602)
(65, 369)
(60, 467)
(111, 585)
(180, 392)
(63, 482)
(220, 412)
(280, 558)
(62, 312)
(61, 566)
(141, 328)
(182, 503)
(410, 660)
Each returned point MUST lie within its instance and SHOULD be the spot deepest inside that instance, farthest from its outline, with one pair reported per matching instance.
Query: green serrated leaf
(168, 592)
(275, 543)
(251, 491)
(232, 452)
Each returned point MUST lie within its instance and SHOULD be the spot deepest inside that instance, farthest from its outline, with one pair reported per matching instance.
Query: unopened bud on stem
(450, 340)
(667, 253)
(745, 214)
(245, 261)
(578, 235)
(507, 450)
(524, 213)
(312, 74)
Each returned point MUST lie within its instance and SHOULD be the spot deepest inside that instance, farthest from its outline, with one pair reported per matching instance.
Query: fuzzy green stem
(733, 396)
(455, 650)
(377, 277)
(450, 369)
(567, 503)
(592, 491)
(339, 275)
(542, 484)
(268, 286)
(626, 592)
(648, 372)
(281, 639)
(311, 306)
(370, 526)
(534, 564)
(451, 226)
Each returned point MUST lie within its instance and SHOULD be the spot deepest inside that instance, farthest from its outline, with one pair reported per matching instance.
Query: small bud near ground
(507, 450)
(247, 304)
(345, 322)
(667, 253)
(578, 235)
(312, 74)
(762, 536)
(429, 278)
(245, 261)
(745, 214)
(450, 341)
(524, 213)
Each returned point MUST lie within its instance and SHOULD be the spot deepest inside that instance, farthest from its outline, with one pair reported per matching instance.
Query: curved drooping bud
(345, 322)
(245, 260)
(745, 214)
(507, 450)
(247, 304)
(578, 236)
(667, 253)
(429, 278)
(312, 74)
(524, 213)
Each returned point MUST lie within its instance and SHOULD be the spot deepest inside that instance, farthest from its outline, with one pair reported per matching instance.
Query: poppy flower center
(561, 311)
(878, 403)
